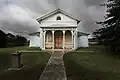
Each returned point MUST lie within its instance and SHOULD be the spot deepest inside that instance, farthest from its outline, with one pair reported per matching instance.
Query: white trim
(63, 39)
(53, 39)
(55, 12)
(44, 34)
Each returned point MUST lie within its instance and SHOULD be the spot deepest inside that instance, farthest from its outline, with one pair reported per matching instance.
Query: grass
(92, 66)
(93, 48)
(33, 64)
(5, 55)
(14, 49)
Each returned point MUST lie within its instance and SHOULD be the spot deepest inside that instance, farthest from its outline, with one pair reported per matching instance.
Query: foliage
(10, 40)
(109, 35)
(17, 40)
(3, 39)
(20, 41)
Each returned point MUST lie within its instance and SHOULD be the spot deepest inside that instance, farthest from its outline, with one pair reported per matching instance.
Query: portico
(58, 39)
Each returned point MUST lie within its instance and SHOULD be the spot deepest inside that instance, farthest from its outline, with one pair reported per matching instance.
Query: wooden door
(58, 41)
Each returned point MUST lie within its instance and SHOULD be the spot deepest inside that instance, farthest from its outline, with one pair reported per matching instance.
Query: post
(44, 34)
(72, 40)
(41, 39)
(74, 34)
(53, 40)
(16, 61)
(63, 39)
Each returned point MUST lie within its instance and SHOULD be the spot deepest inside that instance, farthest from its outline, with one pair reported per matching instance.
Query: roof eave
(31, 34)
(83, 33)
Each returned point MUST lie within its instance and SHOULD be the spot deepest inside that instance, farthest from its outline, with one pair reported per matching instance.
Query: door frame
(58, 39)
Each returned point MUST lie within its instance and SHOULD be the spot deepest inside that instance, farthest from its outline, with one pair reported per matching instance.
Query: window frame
(58, 18)
(49, 38)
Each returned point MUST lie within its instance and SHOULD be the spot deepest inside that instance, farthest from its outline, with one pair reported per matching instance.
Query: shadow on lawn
(78, 72)
(32, 73)
(34, 64)
(5, 61)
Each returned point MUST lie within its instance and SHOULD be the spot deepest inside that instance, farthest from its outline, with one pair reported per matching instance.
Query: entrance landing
(63, 51)
(55, 69)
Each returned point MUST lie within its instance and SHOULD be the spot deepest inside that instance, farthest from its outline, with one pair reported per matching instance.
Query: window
(49, 38)
(58, 18)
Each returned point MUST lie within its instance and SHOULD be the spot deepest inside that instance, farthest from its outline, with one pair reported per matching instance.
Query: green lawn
(33, 64)
(93, 48)
(5, 55)
(92, 65)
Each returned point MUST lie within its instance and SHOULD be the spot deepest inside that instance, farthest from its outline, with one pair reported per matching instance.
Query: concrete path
(55, 69)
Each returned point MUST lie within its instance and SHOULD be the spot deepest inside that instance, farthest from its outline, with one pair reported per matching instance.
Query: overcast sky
(19, 16)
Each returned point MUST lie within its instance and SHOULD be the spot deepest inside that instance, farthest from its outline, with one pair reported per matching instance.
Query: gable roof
(55, 12)
(82, 33)
(33, 34)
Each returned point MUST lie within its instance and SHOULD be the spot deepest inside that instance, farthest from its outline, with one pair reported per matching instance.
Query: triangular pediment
(57, 11)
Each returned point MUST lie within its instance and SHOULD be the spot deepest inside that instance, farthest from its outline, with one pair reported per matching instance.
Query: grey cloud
(19, 16)
(94, 2)
(16, 19)
(88, 14)
(36, 6)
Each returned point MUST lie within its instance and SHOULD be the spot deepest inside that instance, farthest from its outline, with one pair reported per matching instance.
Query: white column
(53, 40)
(63, 39)
(72, 40)
(44, 34)
(41, 39)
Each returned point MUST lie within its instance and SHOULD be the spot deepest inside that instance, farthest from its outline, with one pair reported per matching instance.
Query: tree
(109, 35)
(11, 40)
(2, 39)
(20, 40)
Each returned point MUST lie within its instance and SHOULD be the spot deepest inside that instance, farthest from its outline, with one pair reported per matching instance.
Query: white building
(59, 30)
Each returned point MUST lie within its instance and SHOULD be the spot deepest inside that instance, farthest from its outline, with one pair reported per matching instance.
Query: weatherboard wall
(64, 22)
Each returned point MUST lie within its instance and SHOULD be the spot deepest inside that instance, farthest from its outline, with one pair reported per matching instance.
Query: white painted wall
(34, 41)
(65, 21)
(83, 41)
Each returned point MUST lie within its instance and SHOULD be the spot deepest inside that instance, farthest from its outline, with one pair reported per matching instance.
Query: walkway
(55, 69)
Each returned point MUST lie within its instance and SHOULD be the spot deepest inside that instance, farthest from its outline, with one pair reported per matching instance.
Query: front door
(58, 40)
